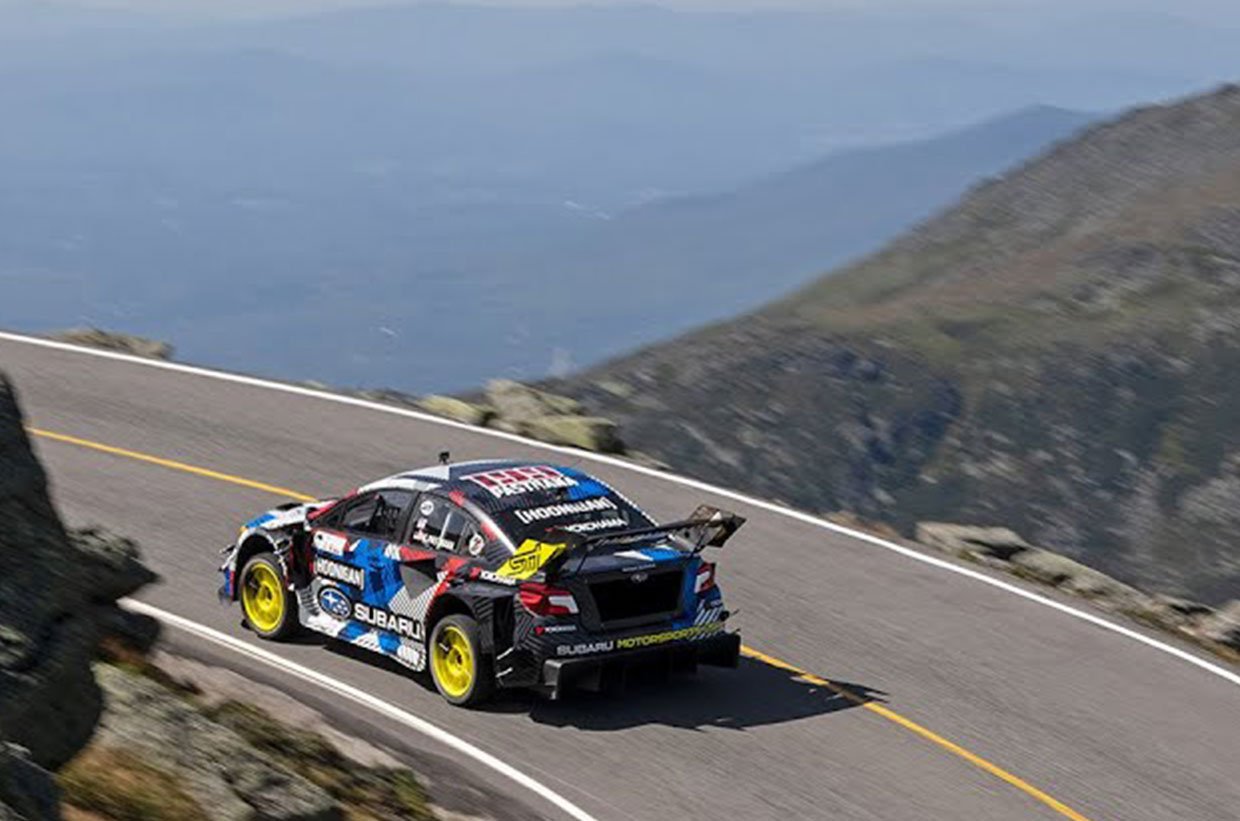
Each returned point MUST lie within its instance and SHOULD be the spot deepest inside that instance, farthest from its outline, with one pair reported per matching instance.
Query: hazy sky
(1205, 10)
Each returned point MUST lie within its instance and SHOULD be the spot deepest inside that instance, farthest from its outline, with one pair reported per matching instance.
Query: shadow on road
(753, 695)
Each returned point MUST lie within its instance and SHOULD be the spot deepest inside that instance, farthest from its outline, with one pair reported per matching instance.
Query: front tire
(463, 673)
(270, 610)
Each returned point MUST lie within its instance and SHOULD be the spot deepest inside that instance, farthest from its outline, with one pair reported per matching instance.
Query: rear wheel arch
(444, 606)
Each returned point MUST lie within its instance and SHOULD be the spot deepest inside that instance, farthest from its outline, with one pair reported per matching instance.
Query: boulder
(457, 409)
(516, 404)
(1060, 571)
(1223, 626)
(112, 341)
(585, 432)
(214, 765)
(969, 540)
(1174, 613)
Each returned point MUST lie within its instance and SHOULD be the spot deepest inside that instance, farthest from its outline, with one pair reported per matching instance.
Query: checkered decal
(382, 589)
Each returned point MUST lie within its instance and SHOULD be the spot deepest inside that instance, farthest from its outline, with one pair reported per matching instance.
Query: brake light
(705, 578)
(545, 600)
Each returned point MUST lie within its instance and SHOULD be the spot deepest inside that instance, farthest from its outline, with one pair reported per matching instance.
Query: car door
(353, 554)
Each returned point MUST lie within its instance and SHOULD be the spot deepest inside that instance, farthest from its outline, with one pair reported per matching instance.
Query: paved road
(1109, 727)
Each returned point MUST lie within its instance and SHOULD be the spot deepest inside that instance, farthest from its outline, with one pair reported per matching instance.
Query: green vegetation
(119, 785)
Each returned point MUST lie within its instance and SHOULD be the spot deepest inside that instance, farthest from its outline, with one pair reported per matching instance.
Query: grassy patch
(117, 652)
(364, 792)
(116, 784)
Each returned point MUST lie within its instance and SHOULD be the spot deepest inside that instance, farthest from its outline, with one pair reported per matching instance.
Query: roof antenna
(444, 457)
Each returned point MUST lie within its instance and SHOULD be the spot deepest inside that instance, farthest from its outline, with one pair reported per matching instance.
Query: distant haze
(426, 195)
(1217, 11)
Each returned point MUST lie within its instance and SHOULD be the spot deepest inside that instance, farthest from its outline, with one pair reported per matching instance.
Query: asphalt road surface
(1051, 716)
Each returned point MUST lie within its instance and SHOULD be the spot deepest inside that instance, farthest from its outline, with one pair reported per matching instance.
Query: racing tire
(270, 609)
(463, 673)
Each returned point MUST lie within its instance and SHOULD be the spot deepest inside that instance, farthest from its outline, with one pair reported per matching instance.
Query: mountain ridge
(1052, 354)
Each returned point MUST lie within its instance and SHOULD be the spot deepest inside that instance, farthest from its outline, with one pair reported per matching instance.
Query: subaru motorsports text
(516, 574)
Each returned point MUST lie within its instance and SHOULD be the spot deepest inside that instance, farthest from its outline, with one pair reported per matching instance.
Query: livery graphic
(490, 574)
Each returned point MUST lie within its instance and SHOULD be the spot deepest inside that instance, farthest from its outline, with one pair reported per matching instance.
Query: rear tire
(269, 607)
(463, 673)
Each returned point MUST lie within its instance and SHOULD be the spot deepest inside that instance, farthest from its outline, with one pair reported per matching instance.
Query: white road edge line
(384, 708)
(1209, 667)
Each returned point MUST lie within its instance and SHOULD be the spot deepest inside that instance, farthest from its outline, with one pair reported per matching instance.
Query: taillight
(705, 578)
(545, 600)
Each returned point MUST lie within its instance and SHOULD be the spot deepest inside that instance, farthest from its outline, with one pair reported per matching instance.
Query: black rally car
(493, 573)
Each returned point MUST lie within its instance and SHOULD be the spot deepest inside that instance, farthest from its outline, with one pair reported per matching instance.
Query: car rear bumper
(613, 669)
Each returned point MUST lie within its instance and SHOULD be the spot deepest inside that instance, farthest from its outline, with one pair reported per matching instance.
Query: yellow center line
(757, 655)
(929, 735)
(169, 463)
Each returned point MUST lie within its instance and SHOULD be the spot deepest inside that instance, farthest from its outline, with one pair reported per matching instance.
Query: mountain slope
(1057, 353)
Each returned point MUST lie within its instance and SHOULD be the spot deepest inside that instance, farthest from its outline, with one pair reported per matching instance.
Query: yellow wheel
(462, 672)
(268, 608)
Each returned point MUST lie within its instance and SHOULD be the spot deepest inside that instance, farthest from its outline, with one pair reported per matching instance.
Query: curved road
(1104, 726)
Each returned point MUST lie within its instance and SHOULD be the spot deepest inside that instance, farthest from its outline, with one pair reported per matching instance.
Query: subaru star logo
(638, 578)
(333, 602)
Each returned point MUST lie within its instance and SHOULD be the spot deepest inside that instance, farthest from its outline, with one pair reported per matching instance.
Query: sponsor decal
(530, 556)
(600, 524)
(495, 578)
(519, 480)
(585, 649)
(638, 642)
(476, 543)
(638, 578)
(330, 543)
(334, 602)
(346, 573)
(560, 511)
(559, 628)
(426, 508)
(432, 541)
(652, 639)
(639, 568)
(387, 621)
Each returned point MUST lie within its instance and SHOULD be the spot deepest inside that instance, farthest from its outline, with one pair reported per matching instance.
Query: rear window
(528, 501)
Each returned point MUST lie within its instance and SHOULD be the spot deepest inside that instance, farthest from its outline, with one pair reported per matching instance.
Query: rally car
(491, 574)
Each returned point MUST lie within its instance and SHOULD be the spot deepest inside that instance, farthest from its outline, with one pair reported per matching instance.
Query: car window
(441, 525)
(376, 514)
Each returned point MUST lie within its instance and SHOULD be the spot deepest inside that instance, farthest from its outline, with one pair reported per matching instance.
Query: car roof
(453, 476)
(499, 483)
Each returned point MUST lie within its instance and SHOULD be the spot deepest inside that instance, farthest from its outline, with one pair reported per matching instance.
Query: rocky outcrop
(114, 341)
(1222, 626)
(968, 541)
(458, 410)
(214, 766)
(56, 591)
(26, 790)
(517, 408)
(1004, 549)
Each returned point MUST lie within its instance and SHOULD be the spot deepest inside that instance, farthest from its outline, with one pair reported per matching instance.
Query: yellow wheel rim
(262, 596)
(453, 661)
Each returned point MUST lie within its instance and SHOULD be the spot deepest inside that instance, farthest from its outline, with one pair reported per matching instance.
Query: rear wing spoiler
(706, 527)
